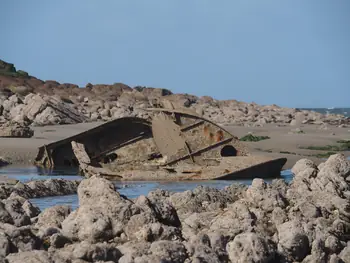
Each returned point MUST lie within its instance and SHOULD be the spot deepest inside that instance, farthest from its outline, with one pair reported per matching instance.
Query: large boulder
(250, 247)
(53, 217)
(293, 242)
(104, 214)
(50, 110)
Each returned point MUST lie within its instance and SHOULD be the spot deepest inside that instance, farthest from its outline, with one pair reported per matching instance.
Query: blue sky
(293, 53)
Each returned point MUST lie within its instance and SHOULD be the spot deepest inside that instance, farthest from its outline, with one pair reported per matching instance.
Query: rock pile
(39, 110)
(48, 102)
(306, 221)
(42, 110)
(39, 188)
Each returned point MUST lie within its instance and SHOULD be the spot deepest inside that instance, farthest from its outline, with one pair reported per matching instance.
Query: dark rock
(169, 251)
(14, 208)
(58, 241)
(4, 245)
(22, 238)
(293, 241)
(5, 216)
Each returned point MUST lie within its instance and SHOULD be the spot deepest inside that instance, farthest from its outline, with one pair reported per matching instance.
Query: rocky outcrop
(40, 110)
(49, 102)
(39, 188)
(305, 221)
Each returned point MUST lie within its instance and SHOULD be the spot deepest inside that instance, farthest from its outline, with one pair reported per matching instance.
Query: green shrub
(22, 73)
(253, 138)
(324, 155)
(343, 145)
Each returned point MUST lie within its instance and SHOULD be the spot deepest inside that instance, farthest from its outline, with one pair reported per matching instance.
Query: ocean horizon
(331, 110)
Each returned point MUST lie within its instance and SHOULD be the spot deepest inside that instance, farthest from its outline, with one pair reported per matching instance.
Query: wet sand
(22, 151)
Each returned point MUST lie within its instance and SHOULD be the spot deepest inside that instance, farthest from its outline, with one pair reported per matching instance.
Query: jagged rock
(42, 188)
(292, 240)
(35, 256)
(44, 110)
(345, 253)
(57, 240)
(102, 212)
(30, 209)
(249, 247)
(263, 195)
(15, 130)
(53, 216)
(305, 221)
(53, 187)
(87, 252)
(200, 199)
(22, 238)
(237, 219)
(14, 208)
(163, 209)
(169, 251)
(132, 250)
(4, 245)
(301, 165)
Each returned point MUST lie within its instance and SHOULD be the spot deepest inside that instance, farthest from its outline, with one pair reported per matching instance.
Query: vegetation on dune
(343, 145)
(9, 69)
(253, 138)
(324, 155)
(344, 141)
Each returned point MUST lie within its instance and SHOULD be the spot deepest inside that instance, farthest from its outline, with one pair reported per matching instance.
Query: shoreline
(282, 143)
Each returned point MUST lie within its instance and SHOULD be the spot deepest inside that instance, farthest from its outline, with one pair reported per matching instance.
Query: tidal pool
(129, 189)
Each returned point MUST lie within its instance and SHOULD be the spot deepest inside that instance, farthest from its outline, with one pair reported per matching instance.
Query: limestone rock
(249, 247)
(301, 165)
(292, 240)
(35, 256)
(15, 130)
(53, 216)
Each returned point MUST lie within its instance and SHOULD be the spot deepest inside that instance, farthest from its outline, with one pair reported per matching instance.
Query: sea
(331, 110)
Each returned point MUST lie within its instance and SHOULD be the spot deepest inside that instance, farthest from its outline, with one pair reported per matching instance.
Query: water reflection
(25, 174)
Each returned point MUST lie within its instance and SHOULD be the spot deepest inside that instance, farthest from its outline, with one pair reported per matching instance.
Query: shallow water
(129, 189)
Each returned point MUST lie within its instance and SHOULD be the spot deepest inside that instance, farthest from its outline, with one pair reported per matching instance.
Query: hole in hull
(228, 150)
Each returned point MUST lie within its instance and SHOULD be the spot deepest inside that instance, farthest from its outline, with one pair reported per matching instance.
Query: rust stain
(219, 136)
(206, 131)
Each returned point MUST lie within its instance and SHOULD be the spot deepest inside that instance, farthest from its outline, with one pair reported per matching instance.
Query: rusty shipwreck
(173, 145)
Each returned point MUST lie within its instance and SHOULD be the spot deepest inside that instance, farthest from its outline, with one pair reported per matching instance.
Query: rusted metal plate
(98, 141)
(80, 153)
(167, 137)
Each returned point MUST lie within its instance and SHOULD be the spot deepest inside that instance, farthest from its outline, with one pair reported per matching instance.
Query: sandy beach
(282, 143)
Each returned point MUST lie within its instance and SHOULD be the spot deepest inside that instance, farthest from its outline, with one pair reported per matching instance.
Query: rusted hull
(99, 142)
(175, 145)
(271, 169)
(233, 170)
